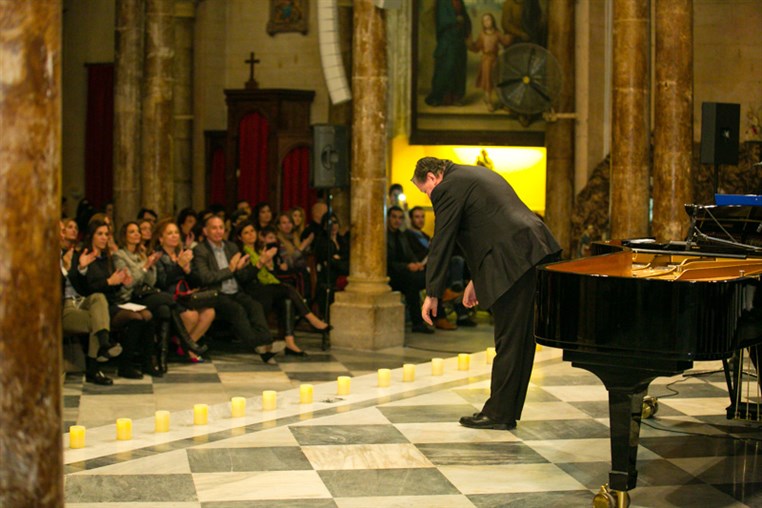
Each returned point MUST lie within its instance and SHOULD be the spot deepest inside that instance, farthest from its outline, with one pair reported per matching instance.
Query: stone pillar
(158, 121)
(559, 135)
(673, 121)
(185, 11)
(31, 459)
(630, 120)
(128, 70)
(368, 315)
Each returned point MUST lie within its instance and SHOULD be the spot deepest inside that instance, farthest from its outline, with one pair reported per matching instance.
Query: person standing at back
(503, 242)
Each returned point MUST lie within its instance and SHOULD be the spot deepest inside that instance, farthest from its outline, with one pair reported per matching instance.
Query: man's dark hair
(395, 187)
(394, 208)
(148, 211)
(428, 165)
(212, 216)
(414, 209)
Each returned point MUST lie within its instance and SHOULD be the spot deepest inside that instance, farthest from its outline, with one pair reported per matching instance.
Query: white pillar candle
(408, 373)
(437, 366)
(269, 400)
(200, 414)
(123, 429)
(161, 421)
(464, 361)
(238, 407)
(384, 377)
(306, 392)
(343, 385)
(76, 436)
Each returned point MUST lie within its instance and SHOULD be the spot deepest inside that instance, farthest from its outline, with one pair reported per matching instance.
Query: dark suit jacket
(414, 239)
(399, 254)
(207, 273)
(500, 237)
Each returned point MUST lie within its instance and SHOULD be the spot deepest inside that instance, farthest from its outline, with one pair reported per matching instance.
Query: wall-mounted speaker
(330, 156)
(720, 123)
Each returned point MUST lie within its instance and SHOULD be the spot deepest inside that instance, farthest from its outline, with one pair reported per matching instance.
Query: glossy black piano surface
(640, 310)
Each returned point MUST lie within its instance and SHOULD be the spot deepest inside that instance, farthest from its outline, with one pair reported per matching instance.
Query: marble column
(673, 118)
(630, 120)
(559, 135)
(157, 180)
(368, 315)
(31, 459)
(128, 70)
(185, 11)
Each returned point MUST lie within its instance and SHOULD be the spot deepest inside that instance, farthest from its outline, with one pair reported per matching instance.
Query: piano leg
(627, 384)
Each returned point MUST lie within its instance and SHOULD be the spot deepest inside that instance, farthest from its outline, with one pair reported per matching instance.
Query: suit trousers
(514, 346)
(246, 318)
(90, 316)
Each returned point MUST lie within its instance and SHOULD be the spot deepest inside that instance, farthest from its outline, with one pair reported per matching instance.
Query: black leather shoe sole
(129, 374)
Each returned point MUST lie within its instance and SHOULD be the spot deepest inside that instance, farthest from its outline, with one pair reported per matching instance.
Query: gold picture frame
(288, 16)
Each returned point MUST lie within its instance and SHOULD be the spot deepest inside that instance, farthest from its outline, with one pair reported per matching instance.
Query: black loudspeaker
(330, 156)
(719, 133)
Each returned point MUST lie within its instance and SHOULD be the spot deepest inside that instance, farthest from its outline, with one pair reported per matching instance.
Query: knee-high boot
(182, 334)
(163, 345)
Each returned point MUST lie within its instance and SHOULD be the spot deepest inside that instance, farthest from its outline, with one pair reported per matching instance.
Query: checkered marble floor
(401, 445)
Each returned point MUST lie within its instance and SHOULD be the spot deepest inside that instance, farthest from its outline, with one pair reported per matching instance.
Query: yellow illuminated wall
(522, 167)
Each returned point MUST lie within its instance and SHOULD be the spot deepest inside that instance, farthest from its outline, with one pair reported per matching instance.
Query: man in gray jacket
(218, 264)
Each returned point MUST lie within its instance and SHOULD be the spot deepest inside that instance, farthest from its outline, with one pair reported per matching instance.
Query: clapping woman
(132, 256)
(262, 249)
(96, 273)
(174, 267)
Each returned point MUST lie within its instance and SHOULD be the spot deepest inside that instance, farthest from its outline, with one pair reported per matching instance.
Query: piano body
(637, 310)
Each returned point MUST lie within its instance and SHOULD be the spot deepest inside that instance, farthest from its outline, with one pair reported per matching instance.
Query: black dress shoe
(482, 421)
(129, 373)
(99, 378)
(422, 329)
(291, 352)
(268, 358)
(152, 370)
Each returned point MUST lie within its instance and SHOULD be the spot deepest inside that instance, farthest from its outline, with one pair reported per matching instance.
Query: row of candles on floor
(269, 399)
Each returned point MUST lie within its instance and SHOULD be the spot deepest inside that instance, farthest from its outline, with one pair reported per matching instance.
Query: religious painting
(288, 16)
(480, 72)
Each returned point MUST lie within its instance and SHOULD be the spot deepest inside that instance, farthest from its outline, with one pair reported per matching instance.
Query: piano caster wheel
(650, 407)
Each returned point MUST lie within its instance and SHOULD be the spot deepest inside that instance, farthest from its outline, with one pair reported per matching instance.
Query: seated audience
(172, 268)
(218, 264)
(148, 214)
(262, 215)
(132, 256)
(262, 249)
(86, 315)
(315, 228)
(292, 254)
(186, 221)
(96, 273)
(146, 233)
(69, 234)
(408, 275)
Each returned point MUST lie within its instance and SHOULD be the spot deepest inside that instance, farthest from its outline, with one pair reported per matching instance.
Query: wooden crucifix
(251, 83)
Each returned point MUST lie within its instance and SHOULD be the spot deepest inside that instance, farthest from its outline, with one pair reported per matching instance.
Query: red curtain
(253, 179)
(295, 177)
(99, 134)
(217, 181)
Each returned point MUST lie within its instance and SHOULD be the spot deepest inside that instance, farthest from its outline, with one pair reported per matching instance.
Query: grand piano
(636, 310)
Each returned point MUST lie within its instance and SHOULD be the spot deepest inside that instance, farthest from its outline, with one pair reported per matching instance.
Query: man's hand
(429, 309)
(416, 267)
(469, 296)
